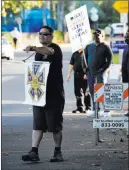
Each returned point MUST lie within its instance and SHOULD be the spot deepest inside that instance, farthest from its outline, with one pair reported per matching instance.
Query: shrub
(58, 37)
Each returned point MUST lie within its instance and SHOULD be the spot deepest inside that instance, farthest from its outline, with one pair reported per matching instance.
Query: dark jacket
(125, 65)
(98, 58)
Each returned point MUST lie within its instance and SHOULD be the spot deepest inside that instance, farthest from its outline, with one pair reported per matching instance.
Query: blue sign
(117, 45)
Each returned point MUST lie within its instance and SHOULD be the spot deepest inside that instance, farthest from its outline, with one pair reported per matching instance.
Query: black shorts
(48, 118)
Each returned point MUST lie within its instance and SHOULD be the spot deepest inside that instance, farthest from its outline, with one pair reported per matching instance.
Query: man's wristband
(33, 48)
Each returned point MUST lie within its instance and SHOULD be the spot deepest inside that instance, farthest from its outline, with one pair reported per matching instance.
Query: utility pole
(60, 15)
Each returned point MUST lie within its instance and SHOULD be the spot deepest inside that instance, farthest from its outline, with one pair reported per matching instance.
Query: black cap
(97, 31)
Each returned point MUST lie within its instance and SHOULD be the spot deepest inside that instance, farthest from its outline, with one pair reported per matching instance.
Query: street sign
(111, 122)
(117, 45)
(121, 6)
(124, 18)
(113, 96)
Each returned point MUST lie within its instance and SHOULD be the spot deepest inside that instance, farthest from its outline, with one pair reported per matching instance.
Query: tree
(113, 16)
(16, 6)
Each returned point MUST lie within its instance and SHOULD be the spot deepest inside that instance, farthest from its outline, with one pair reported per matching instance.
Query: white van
(119, 28)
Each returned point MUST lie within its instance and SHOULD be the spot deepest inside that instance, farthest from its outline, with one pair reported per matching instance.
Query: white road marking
(12, 102)
(70, 150)
(30, 114)
(22, 102)
(7, 78)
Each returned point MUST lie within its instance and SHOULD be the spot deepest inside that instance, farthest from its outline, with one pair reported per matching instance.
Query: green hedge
(115, 58)
(58, 36)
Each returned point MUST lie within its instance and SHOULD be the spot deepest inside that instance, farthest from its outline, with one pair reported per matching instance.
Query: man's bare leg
(36, 137)
(57, 138)
(33, 154)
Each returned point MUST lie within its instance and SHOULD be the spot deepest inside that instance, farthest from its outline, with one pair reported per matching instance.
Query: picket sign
(36, 74)
(79, 28)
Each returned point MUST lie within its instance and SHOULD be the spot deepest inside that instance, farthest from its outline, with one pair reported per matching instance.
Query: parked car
(7, 49)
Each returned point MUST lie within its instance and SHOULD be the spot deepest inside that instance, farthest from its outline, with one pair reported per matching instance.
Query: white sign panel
(124, 18)
(113, 96)
(79, 28)
(36, 74)
(111, 122)
(114, 71)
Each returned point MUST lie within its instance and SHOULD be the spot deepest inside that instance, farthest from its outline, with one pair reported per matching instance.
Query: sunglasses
(44, 34)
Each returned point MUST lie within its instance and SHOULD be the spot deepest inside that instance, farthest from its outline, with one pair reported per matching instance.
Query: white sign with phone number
(111, 122)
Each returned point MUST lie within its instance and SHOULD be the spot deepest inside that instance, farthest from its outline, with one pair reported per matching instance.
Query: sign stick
(84, 56)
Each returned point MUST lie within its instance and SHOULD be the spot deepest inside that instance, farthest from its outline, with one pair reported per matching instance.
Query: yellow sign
(121, 6)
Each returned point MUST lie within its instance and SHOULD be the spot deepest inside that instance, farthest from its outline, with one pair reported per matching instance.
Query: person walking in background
(80, 82)
(98, 56)
(50, 117)
(15, 35)
(125, 62)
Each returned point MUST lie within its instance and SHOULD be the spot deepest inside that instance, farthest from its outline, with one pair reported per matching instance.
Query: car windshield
(4, 41)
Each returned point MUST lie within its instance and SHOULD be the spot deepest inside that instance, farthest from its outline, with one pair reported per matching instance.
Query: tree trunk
(60, 15)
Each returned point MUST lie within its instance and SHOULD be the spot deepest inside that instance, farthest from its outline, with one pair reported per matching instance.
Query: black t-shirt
(76, 62)
(54, 89)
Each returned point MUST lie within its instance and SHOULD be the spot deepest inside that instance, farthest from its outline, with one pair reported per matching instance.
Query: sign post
(113, 96)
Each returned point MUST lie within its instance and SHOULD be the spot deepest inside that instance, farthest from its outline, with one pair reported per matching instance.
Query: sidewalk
(78, 147)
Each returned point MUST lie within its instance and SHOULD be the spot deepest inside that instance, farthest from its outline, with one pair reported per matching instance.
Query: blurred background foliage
(60, 8)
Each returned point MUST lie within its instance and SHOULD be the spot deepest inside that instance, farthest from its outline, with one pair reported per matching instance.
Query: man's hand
(29, 48)
(68, 78)
(84, 77)
(101, 70)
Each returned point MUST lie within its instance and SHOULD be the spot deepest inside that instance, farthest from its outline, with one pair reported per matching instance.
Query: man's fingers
(68, 78)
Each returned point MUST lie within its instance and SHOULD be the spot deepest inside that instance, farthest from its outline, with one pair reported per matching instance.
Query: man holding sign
(80, 82)
(49, 117)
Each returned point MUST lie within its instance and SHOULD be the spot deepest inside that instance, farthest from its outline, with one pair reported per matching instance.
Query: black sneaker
(31, 156)
(78, 110)
(57, 157)
(88, 108)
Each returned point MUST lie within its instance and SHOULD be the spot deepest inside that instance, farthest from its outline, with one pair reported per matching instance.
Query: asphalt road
(79, 149)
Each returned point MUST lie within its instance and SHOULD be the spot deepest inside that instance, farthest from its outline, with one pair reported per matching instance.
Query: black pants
(80, 87)
(92, 79)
